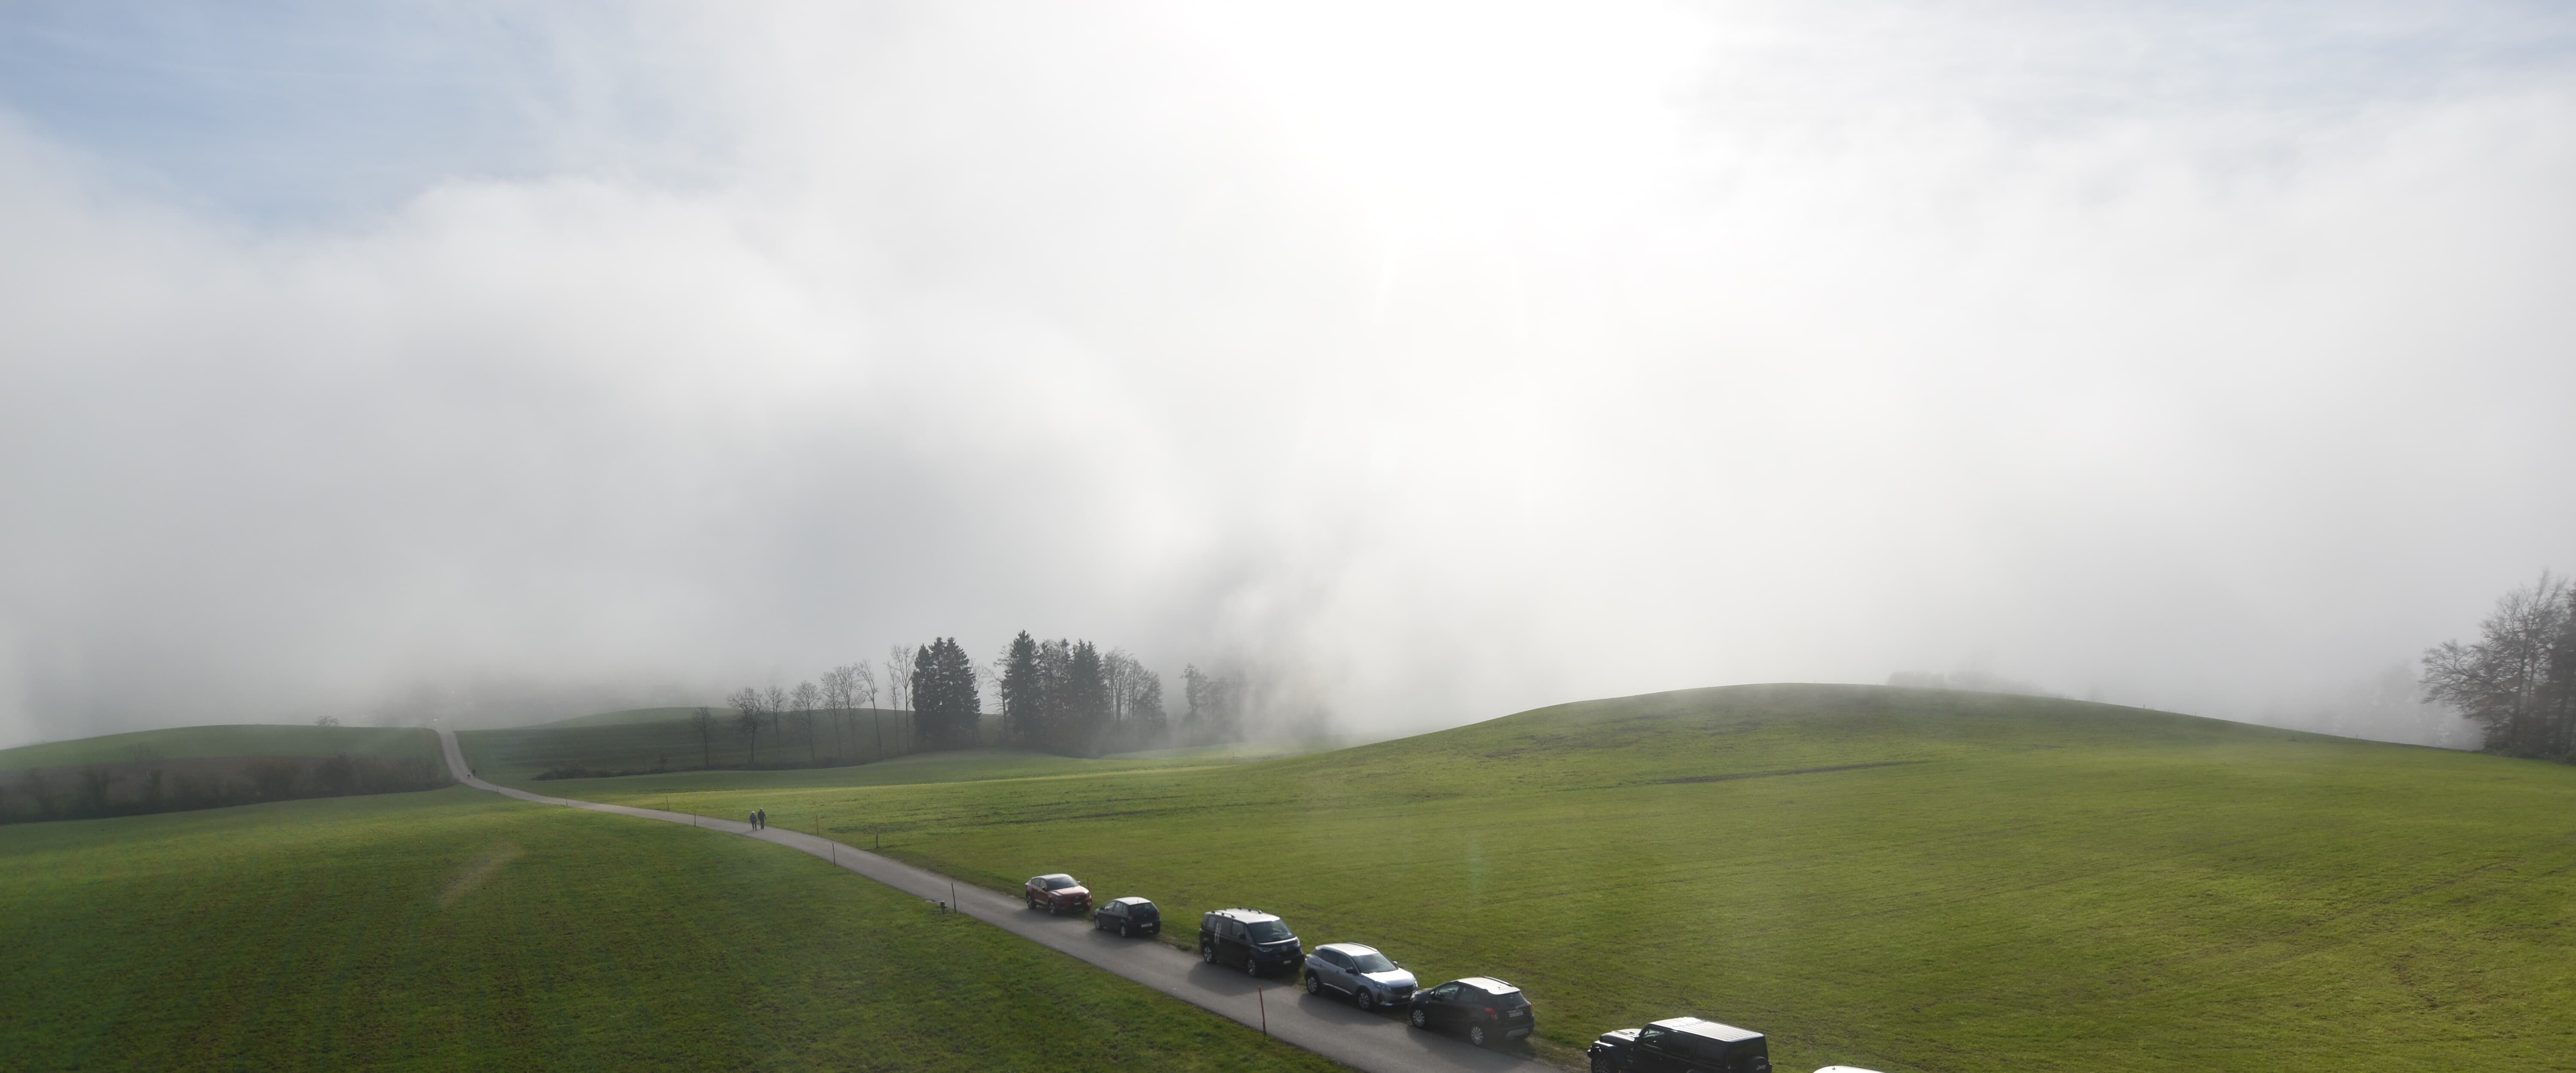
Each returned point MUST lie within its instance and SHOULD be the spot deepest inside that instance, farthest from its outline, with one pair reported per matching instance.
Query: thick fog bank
(1420, 363)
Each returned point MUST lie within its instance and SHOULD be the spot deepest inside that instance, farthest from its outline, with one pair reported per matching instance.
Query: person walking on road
(755, 821)
(764, 818)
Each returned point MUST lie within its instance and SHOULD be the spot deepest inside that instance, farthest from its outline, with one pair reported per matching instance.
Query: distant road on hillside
(1380, 1043)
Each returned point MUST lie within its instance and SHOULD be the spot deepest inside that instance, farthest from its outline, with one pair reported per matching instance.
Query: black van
(1249, 938)
(1678, 1044)
(1128, 916)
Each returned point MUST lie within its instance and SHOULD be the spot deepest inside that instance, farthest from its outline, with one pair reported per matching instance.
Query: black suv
(1489, 1010)
(1249, 938)
(1128, 916)
(1682, 1045)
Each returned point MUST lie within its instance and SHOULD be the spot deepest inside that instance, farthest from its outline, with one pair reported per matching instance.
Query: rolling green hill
(648, 741)
(454, 929)
(1908, 880)
(631, 716)
(179, 743)
(665, 739)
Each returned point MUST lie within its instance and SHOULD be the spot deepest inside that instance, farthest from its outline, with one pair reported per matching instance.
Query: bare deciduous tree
(863, 684)
(704, 722)
(773, 700)
(898, 686)
(90, 793)
(2518, 680)
(899, 659)
(836, 703)
(807, 700)
(747, 705)
(846, 688)
(42, 791)
(274, 777)
(747, 725)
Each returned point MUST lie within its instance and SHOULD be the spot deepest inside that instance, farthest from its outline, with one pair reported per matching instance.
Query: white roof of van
(1710, 1029)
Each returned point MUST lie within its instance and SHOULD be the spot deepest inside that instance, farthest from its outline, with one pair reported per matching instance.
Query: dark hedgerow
(92, 791)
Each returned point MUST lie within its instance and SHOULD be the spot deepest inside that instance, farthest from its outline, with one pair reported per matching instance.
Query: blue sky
(304, 111)
(285, 110)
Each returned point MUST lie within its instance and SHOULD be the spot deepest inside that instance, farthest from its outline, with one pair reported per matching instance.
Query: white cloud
(1453, 362)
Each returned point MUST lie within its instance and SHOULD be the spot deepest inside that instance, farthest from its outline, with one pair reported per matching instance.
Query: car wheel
(1207, 954)
(1365, 1001)
(1251, 965)
(1421, 1017)
(1122, 930)
(1314, 983)
(1601, 1064)
(1476, 1035)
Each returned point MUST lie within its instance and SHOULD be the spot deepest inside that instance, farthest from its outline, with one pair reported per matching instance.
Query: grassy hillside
(665, 739)
(959, 766)
(457, 930)
(630, 716)
(222, 741)
(1906, 880)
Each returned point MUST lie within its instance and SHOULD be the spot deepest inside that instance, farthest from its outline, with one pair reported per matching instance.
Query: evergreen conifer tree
(1021, 688)
(945, 699)
(1086, 699)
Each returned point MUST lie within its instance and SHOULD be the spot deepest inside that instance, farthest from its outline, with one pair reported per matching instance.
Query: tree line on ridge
(2517, 681)
(1064, 696)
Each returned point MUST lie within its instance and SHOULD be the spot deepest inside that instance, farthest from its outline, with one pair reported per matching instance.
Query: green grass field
(457, 930)
(1905, 880)
(214, 741)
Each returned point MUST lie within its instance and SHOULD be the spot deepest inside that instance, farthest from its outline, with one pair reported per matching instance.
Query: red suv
(1058, 892)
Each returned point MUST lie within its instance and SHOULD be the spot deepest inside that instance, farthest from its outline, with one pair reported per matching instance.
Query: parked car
(1358, 973)
(1249, 938)
(1682, 1045)
(1488, 1010)
(1128, 916)
(1057, 892)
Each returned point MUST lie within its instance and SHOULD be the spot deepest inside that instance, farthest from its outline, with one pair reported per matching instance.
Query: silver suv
(1360, 973)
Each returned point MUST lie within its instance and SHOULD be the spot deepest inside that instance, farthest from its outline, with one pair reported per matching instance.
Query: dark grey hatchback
(1128, 916)
(1488, 1010)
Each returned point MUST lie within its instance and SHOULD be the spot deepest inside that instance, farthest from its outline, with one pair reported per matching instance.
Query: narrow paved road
(1380, 1043)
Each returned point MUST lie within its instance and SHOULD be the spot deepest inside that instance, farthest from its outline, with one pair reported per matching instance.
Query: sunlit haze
(1426, 362)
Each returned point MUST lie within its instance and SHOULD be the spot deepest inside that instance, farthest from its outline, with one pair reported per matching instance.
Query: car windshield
(1267, 931)
(1060, 882)
(1371, 961)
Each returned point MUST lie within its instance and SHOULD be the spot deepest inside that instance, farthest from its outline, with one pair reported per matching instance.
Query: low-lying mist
(1422, 362)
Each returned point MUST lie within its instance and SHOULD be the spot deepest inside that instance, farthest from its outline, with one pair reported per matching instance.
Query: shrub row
(139, 787)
